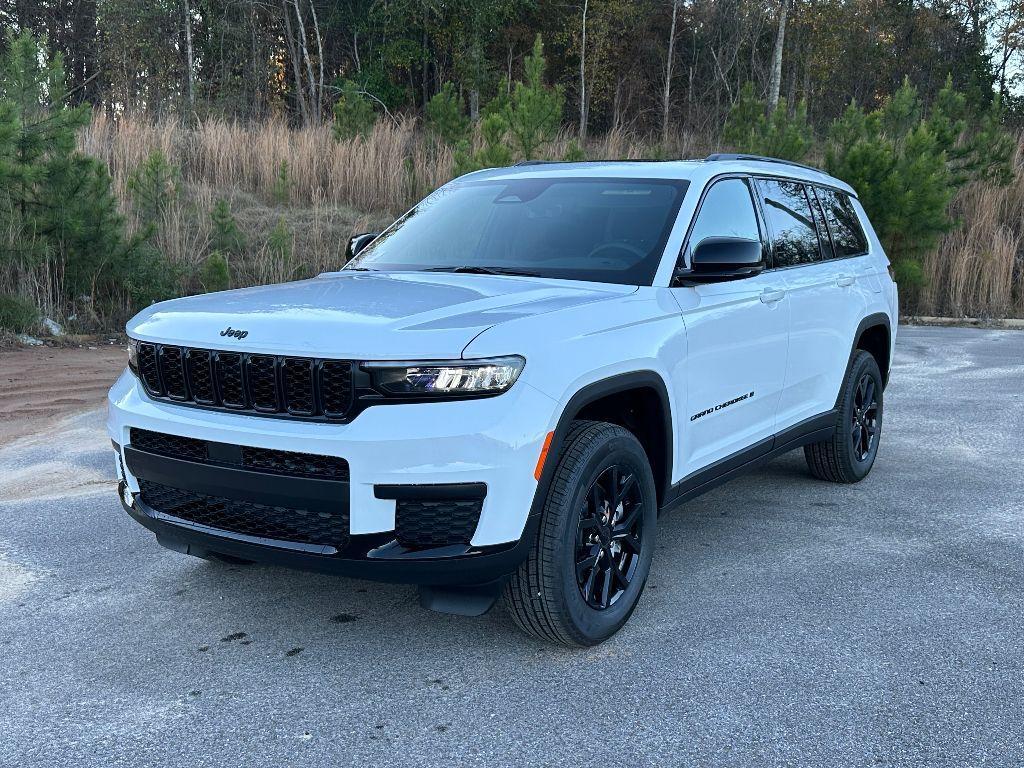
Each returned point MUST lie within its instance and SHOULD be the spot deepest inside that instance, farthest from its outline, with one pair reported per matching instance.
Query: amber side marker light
(543, 456)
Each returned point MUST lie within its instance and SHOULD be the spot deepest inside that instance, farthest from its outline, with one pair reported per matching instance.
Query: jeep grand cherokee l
(500, 393)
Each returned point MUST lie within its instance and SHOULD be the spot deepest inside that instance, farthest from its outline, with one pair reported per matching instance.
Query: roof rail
(592, 162)
(759, 158)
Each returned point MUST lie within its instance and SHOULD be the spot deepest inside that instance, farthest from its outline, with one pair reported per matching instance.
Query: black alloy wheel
(609, 537)
(864, 426)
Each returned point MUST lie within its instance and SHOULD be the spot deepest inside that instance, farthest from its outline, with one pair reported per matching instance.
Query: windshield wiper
(475, 270)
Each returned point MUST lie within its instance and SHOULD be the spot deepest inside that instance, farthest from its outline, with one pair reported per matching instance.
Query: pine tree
(534, 113)
(60, 213)
(214, 274)
(750, 129)
(444, 116)
(226, 237)
(353, 113)
(899, 166)
(495, 152)
(154, 187)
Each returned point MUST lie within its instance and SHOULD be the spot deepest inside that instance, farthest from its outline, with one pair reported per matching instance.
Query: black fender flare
(589, 394)
(874, 320)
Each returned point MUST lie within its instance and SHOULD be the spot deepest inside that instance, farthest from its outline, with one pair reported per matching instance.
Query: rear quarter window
(848, 237)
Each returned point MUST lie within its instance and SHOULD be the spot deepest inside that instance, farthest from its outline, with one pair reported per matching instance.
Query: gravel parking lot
(786, 622)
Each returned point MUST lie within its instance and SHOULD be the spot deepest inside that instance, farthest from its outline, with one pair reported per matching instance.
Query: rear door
(825, 303)
(736, 334)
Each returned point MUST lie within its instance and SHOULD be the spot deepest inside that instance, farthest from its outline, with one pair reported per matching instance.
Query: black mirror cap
(720, 259)
(356, 243)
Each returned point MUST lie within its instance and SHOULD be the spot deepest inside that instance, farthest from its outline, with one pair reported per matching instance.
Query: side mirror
(720, 259)
(356, 243)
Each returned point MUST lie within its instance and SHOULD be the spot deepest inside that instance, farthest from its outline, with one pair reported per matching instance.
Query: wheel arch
(874, 336)
(637, 401)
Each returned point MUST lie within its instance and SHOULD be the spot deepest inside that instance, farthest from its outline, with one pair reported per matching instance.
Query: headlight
(459, 377)
(133, 355)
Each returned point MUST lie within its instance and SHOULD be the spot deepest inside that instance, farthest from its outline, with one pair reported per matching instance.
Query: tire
(850, 453)
(544, 596)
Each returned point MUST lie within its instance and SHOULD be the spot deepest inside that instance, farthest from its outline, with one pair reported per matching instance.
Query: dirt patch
(39, 385)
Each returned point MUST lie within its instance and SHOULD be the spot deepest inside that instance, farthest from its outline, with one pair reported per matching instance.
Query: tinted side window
(847, 234)
(727, 211)
(794, 238)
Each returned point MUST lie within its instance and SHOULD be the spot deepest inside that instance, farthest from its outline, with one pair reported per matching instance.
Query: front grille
(421, 523)
(297, 387)
(268, 460)
(247, 518)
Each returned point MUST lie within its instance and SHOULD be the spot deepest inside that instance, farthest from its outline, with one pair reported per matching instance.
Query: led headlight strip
(446, 378)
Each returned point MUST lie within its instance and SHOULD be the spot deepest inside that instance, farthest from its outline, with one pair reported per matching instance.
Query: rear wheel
(593, 551)
(849, 455)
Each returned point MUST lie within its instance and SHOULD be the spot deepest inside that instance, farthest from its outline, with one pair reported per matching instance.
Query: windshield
(603, 230)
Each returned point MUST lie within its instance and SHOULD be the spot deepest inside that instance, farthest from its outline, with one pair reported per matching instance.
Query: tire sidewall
(866, 364)
(589, 624)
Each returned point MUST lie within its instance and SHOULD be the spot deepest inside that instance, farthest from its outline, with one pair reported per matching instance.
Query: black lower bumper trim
(376, 557)
(246, 485)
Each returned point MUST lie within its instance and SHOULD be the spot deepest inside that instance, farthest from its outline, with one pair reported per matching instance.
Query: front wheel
(593, 551)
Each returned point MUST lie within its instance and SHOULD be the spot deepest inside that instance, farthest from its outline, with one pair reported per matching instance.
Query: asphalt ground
(786, 622)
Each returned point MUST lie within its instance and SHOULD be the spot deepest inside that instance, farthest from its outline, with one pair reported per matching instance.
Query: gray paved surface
(787, 622)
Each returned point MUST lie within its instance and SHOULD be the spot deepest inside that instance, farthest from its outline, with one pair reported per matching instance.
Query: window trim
(766, 251)
(821, 224)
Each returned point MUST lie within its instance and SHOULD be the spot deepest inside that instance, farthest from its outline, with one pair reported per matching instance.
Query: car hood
(363, 315)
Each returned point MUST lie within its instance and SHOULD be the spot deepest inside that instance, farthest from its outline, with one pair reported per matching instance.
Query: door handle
(844, 280)
(771, 295)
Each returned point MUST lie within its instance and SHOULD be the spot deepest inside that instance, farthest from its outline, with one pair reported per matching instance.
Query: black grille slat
(149, 369)
(436, 523)
(172, 372)
(200, 376)
(248, 518)
(336, 387)
(299, 387)
(266, 460)
(262, 376)
(230, 379)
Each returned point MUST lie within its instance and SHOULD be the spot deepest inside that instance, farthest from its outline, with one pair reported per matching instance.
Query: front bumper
(376, 557)
(494, 442)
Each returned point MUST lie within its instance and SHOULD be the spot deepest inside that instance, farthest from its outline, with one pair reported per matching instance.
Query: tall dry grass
(336, 188)
(385, 171)
(977, 270)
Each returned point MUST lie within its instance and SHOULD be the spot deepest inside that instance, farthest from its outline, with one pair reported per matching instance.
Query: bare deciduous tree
(583, 73)
(667, 93)
(775, 82)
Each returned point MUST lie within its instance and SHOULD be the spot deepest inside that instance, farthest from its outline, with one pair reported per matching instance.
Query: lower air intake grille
(421, 524)
(246, 518)
(269, 460)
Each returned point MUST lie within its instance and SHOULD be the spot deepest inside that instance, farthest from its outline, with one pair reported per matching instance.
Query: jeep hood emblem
(234, 333)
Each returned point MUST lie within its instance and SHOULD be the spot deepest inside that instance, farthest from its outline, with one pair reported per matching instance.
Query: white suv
(502, 391)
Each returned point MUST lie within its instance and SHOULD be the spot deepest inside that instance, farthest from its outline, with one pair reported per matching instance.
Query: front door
(737, 336)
